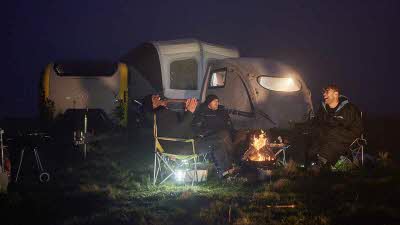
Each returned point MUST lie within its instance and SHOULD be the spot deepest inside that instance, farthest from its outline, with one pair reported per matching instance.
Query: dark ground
(113, 186)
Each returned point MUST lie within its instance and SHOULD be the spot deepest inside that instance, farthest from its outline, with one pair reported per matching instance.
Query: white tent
(174, 68)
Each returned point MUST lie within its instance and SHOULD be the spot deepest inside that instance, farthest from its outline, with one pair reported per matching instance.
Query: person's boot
(318, 165)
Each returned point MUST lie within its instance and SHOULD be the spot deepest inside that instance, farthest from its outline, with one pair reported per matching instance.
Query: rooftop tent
(173, 68)
(81, 85)
(259, 93)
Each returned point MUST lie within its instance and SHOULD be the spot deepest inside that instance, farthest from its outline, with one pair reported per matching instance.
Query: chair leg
(167, 165)
(195, 165)
(44, 176)
(362, 155)
(155, 168)
(195, 171)
(167, 177)
(284, 157)
(158, 167)
(20, 164)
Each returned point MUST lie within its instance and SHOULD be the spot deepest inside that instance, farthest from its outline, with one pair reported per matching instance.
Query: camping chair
(357, 148)
(355, 154)
(281, 154)
(181, 166)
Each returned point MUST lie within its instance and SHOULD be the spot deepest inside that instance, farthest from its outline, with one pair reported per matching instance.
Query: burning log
(292, 206)
(259, 150)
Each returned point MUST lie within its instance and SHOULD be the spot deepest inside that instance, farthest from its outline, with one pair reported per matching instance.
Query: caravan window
(286, 84)
(218, 78)
(183, 74)
(85, 69)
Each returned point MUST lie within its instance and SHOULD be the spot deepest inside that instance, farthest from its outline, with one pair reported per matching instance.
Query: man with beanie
(211, 117)
(335, 126)
(213, 127)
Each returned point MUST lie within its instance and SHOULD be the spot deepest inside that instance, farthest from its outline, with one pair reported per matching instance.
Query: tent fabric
(202, 52)
(145, 60)
(153, 61)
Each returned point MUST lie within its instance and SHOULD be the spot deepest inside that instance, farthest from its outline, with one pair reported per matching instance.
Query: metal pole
(2, 151)
(20, 164)
(85, 133)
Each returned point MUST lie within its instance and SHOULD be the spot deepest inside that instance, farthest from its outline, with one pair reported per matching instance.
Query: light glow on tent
(285, 84)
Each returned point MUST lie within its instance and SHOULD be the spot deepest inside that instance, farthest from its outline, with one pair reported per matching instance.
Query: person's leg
(240, 145)
(225, 146)
(331, 152)
(311, 153)
(221, 146)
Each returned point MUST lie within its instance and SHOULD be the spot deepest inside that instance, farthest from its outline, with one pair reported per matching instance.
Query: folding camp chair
(353, 156)
(183, 167)
(281, 154)
(357, 148)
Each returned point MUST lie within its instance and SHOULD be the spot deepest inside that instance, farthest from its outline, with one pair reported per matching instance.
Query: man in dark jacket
(213, 127)
(335, 126)
(170, 123)
(211, 117)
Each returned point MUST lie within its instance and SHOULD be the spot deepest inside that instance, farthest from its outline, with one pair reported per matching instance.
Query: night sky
(355, 44)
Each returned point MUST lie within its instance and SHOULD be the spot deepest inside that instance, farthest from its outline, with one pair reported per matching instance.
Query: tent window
(218, 78)
(285, 84)
(183, 74)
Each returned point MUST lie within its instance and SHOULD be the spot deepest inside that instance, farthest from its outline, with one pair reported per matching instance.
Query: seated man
(335, 126)
(170, 123)
(178, 125)
(213, 127)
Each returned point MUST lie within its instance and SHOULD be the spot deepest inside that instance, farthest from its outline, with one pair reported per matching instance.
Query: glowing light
(290, 81)
(260, 141)
(286, 84)
(180, 175)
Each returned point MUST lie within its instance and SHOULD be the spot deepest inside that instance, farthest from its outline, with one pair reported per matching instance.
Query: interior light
(285, 84)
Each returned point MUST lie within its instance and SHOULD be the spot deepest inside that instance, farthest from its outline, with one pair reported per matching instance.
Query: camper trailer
(174, 69)
(259, 93)
(100, 87)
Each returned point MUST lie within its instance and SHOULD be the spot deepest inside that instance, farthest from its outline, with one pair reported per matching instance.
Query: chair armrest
(175, 139)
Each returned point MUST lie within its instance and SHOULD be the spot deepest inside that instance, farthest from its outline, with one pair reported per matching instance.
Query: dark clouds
(352, 43)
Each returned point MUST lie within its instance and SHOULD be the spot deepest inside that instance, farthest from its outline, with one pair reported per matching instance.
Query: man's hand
(156, 101)
(191, 104)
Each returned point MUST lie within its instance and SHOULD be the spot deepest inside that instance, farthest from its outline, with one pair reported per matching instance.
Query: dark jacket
(169, 123)
(341, 125)
(207, 121)
(174, 124)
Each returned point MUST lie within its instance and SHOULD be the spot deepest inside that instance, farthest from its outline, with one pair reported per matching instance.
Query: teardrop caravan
(86, 86)
(259, 92)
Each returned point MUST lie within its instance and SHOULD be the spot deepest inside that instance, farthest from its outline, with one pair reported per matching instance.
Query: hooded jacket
(341, 125)
(169, 123)
(207, 121)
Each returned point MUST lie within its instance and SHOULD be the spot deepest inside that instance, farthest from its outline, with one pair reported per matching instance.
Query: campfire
(259, 151)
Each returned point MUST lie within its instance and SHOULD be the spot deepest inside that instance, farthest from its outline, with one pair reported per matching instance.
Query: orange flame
(260, 143)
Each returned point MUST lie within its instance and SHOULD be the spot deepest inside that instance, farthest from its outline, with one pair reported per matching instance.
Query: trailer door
(232, 92)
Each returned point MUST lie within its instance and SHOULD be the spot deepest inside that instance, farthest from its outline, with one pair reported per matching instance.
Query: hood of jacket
(343, 100)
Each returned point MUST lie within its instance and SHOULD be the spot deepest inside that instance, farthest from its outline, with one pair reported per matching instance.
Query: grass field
(113, 186)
